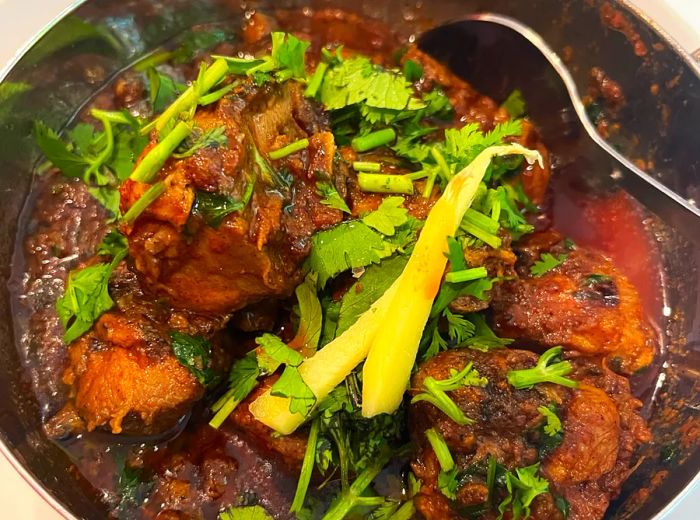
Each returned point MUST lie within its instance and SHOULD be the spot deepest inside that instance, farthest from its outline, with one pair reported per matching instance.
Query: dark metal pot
(658, 124)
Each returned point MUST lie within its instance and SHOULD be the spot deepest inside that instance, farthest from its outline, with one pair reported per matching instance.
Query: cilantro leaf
(86, 298)
(274, 352)
(243, 378)
(546, 263)
(198, 139)
(346, 246)
(544, 372)
(331, 197)
(56, 151)
(288, 52)
(357, 80)
(195, 41)
(459, 329)
(371, 285)
(523, 487)
(163, 89)
(132, 487)
(484, 338)
(435, 392)
(215, 207)
(292, 385)
(388, 216)
(245, 513)
(553, 425)
(193, 352)
(310, 317)
(114, 244)
(108, 197)
(515, 104)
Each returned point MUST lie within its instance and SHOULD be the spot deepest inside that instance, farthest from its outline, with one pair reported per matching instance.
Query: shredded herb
(243, 378)
(547, 370)
(388, 216)
(199, 139)
(215, 207)
(435, 392)
(331, 197)
(193, 352)
(292, 385)
(291, 148)
(523, 487)
(245, 513)
(546, 263)
(515, 104)
(553, 425)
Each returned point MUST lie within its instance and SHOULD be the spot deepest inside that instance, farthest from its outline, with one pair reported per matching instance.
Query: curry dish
(302, 270)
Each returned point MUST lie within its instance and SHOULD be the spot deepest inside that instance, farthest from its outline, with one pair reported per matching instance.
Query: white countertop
(21, 19)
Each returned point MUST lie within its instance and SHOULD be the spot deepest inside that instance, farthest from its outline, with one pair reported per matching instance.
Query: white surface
(21, 19)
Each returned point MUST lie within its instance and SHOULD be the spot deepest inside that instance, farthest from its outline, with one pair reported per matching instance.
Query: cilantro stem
(420, 174)
(291, 148)
(405, 512)
(366, 166)
(215, 96)
(307, 468)
(481, 234)
(443, 168)
(430, 183)
(373, 140)
(385, 183)
(479, 219)
(543, 372)
(442, 452)
(435, 394)
(154, 160)
(152, 60)
(466, 275)
(352, 496)
(190, 97)
(225, 408)
(106, 152)
(316, 80)
(144, 201)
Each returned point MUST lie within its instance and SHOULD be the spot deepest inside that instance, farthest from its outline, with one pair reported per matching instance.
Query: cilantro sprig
(546, 263)
(547, 370)
(436, 392)
(193, 352)
(523, 486)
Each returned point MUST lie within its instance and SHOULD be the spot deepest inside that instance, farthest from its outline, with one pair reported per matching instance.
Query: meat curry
(311, 273)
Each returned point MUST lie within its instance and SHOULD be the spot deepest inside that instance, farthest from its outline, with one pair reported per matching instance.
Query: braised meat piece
(251, 254)
(585, 304)
(123, 374)
(601, 430)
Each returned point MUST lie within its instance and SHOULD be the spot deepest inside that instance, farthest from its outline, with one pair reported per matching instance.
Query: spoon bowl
(497, 54)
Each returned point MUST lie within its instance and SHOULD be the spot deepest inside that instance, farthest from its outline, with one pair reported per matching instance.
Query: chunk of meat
(254, 254)
(585, 304)
(601, 430)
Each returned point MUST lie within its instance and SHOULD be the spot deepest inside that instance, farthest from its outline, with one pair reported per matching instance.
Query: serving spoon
(498, 54)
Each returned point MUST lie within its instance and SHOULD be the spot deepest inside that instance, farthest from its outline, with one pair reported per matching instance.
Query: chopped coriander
(310, 318)
(514, 104)
(273, 352)
(197, 140)
(388, 216)
(193, 352)
(292, 385)
(459, 329)
(307, 467)
(346, 246)
(436, 392)
(479, 232)
(595, 279)
(132, 486)
(216, 95)
(367, 166)
(215, 207)
(523, 487)
(385, 183)
(113, 244)
(412, 70)
(245, 513)
(373, 140)
(163, 89)
(442, 452)
(243, 378)
(316, 80)
(544, 372)
(291, 148)
(484, 338)
(331, 197)
(369, 287)
(553, 425)
(466, 275)
(148, 198)
(154, 160)
(546, 263)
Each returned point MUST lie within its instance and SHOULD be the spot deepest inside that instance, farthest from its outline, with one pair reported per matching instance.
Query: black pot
(659, 123)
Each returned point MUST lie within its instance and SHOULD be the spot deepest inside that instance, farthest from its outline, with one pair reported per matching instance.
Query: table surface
(680, 18)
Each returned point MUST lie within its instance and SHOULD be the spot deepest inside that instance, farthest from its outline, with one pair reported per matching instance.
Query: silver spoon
(498, 54)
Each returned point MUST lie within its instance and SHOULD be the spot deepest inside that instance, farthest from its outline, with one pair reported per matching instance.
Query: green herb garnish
(194, 352)
(547, 370)
(546, 263)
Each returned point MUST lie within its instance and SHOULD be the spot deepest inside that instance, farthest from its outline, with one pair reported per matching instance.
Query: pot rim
(45, 493)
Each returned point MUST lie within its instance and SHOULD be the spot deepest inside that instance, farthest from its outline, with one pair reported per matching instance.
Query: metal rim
(691, 61)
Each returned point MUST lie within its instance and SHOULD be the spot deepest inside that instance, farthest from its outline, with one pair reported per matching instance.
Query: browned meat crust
(585, 304)
(600, 423)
